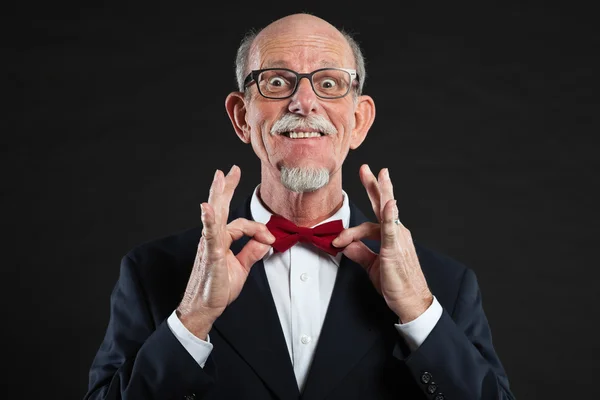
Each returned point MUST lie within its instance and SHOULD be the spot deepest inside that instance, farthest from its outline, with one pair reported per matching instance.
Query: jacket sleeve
(139, 360)
(458, 360)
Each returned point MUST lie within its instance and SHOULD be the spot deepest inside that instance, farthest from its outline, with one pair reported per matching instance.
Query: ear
(364, 115)
(235, 104)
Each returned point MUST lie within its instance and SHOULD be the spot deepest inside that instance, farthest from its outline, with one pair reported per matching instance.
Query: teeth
(302, 135)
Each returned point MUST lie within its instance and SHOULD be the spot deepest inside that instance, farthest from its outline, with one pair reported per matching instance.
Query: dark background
(486, 117)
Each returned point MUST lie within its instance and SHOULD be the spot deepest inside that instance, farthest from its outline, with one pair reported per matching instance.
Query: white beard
(302, 180)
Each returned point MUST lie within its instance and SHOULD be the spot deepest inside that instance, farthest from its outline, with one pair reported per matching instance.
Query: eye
(277, 81)
(328, 83)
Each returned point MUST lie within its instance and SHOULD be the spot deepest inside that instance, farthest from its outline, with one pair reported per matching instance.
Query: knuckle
(209, 235)
(389, 235)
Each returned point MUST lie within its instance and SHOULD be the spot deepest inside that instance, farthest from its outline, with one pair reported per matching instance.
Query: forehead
(301, 51)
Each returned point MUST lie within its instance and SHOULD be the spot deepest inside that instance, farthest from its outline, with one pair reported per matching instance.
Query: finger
(210, 232)
(361, 254)
(370, 183)
(232, 179)
(241, 226)
(214, 196)
(389, 229)
(366, 230)
(385, 188)
(251, 253)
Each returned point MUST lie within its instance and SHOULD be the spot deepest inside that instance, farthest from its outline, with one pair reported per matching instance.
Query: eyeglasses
(281, 83)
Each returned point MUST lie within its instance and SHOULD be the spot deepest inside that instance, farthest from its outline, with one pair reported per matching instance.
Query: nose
(304, 101)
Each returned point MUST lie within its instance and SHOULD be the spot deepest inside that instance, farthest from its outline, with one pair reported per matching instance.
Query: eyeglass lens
(279, 83)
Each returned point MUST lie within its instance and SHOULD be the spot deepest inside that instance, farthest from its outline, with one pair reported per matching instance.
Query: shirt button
(304, 277)
(305, 339)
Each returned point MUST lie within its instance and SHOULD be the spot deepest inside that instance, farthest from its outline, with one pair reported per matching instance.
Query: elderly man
(295, 294)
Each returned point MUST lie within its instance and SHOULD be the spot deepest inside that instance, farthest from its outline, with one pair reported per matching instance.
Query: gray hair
(243, 55)
(289, 122)
(304, 180)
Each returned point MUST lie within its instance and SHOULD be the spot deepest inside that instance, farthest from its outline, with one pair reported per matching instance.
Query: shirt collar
(260, 214)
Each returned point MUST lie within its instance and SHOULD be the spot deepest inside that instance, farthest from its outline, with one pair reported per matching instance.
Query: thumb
(360, 254)
(251, 253)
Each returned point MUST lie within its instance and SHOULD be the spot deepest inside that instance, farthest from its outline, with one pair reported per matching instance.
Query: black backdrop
(485, 116)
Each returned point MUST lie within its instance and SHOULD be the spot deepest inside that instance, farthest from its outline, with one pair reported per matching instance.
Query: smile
(302, 135)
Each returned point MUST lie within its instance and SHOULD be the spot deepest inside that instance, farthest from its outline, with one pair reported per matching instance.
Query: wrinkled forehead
(301, 50)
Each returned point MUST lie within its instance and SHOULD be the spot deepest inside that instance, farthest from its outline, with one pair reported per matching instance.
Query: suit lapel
(351, 325)
(251, 325)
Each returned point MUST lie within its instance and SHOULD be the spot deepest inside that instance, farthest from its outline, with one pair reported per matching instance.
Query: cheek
(345, 129)
(260, 119)
(342, 116)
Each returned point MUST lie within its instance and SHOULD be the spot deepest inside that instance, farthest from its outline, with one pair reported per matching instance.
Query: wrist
(198, 324)
(413, 309)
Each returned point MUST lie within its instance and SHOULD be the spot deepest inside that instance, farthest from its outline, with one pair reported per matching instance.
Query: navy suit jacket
(360, 354)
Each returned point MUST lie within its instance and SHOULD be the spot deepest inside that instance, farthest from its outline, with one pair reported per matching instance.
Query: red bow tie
(288, 234)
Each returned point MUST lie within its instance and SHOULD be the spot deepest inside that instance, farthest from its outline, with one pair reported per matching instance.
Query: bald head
(298, 37)
(300, 25)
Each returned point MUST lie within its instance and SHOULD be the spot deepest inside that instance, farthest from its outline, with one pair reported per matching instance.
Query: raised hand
(218, 275)
(395, 271)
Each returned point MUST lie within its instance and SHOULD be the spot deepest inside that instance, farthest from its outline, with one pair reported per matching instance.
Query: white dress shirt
(301, 281)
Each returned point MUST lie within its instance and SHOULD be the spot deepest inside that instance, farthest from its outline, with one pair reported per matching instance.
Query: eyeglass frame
(253, 76)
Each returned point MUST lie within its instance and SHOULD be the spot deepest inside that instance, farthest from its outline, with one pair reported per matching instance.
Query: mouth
(302, 135)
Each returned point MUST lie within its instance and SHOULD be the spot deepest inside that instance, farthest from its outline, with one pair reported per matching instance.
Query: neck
(303, 209)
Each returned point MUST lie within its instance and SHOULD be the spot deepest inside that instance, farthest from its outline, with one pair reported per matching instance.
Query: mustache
(292, 122)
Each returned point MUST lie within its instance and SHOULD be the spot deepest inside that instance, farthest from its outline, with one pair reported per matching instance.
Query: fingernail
(335, 242)
(387, 173)
(216, 174)
(231, 169)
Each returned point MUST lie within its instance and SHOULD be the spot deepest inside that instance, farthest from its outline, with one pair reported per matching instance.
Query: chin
(304, 179)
